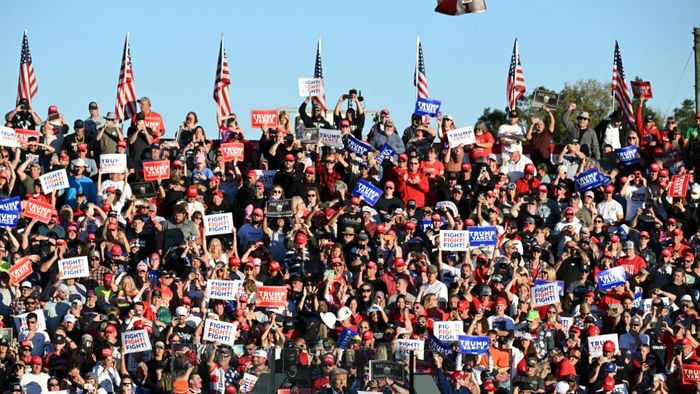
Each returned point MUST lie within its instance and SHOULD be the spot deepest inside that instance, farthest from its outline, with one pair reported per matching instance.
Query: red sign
(38, 209)
(679, 185)
(271, 296)
(155, 170)
(263, 117)
(21, 269)
(691, 374)
(641, 89)
(24, 134)
(232, 151)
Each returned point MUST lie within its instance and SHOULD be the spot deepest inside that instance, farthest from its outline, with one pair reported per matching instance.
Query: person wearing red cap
(35, 381)
(528, 183)
(463, 384)
(352, 122)
(413, 184)
(610, 210)
(649, 135)
(286, 176)
(251, 232)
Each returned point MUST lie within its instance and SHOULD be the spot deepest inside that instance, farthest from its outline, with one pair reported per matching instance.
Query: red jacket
(413, 186)
(647, 134)
(522, 186)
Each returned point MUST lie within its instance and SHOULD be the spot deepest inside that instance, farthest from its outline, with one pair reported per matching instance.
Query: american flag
(223, 81)
(419, 79)
(126, 91)
(27, 86)
(318, 73)
(515, 86)
(619, 87)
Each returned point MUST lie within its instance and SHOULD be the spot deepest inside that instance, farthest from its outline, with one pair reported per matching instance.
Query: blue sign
(367, 191)
(425, 224)
(637, 301)
(627, 155)
(352, 144)
(385, 152)
(8, 219)
(611, 278)
(469, 344)
(589, 179)
(436, 346)
(10, 205)
(427, 107)
(345, 337)
(482, 236)
(560, 284)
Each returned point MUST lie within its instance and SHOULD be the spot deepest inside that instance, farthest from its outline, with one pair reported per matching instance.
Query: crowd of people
(359, 277)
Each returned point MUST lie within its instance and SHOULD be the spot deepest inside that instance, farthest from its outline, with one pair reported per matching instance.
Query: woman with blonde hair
(215, 253)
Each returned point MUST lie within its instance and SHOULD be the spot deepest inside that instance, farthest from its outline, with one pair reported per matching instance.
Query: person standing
(95, 122)
(582, 132)
(152, 119)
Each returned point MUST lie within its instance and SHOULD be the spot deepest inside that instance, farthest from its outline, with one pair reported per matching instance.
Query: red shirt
(633, 265)
(522, 186)
(485, 139)
(565, 368)
(155, 122)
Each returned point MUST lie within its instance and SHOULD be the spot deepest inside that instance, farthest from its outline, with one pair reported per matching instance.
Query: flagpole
(415, 73)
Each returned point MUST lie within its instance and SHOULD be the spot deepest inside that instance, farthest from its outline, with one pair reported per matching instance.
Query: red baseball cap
(121, 144)
(345, 122)
(608, 346)
(234, 261)
(644, 234)
(328, 359)
(116, 250)
(106, 352)
(399, 262)
(289, 157)
(258, 212)
(274, 266)
(36, 360)
(609, 189)
(529, 168)
(367, 336)
(654, 167)
(310, 170)
(300, 239)
(614, 238)
(663, 172)
(466, 167)
(543, 188)
(192, 191)
(592, 331)
(110, 329)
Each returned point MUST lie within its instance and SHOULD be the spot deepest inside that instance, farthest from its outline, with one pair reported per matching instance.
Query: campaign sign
(309, 135)
(461, 136)
(470, 344)
(628, 155)
(595, 344)
(447, 331)
(20, 270)
(356, 146)
(542, 98)
(679, 185)
(454, 240)
(345, 337)
(436, 346)
(74, 267)
(9, 219)
(637, 301)
(367, 191)
(220, 223)
(566, 323)
(480, 236)
(385, 152)
(248, 383)
(155, 170)
(279, 208)
(113, 163)
(310, 87)
(587, 180)
(231, 151)
(215, 330)
(546, 294)
(641, 89)
(331, 138)
(560, 285)
(427, 107)
(447, 204)
(21, 321)
(23, 135)
(54, 180)
(380, 369)
(611, 278)
(136, 341)
(404, 347)
(271, 296)
(221, 289)
(38, 209)
(266, 176)
(263, 118)
(691, 374)
(8, 137)
(10, 204)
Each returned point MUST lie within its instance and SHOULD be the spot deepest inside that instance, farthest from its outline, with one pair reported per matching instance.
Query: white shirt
(515, 170)
(575, 223)
(35, 384)
(438, 288)
(612, 136)
(610, 211)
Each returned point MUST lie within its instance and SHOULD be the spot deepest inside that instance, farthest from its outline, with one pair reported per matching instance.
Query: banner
(449, 205)
(427, 107)
(310, 87)
(345, 337)
(23, 135)
(331, 138)
(546, 294)
(461, 136)
(690, 373)
(231, 151)
(9, 219)
(587, 180)
(482, 236)
(380, 369)
(560, 284)
(136, 341)
(679, 185)
(279, 208)
(263, 118)
(595, 344)
(309, 135)
(637, 300)
(271, 297)
(470, 344)
(352, 144)
(566, 323)
(367, 191)
(20, 270)
(611, 278)
(448, 331)
(454, 240)
(21, 321)
(113, 163)
(54, 180)
(542, 98)
(221, 289)
(404, 347)
(8, 137)
(74, 267)
(627, 156)
(38, 209)
(215, 330)
(266, 176)
(220, 223)
(641, 89)
(155, 170)
(436, 346)
(385, 152)
(11, 204)
(247, 383)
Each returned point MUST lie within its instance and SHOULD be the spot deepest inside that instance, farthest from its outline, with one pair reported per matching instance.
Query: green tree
(493, 118)
(685, 115)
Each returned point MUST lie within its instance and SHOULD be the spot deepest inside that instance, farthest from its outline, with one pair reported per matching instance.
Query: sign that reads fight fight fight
(74, 267)
(220, 223)
(222, 289)
(545, 294)
(220, 331)
(136, 341)
(454, 240)
(54, 180)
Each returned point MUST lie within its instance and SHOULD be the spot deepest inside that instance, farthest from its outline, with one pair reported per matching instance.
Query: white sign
(311, 87)
(595, 344)
(136, 341)
(448, 331)
(331, 138)
(454, 240)
(247, 383)
(404, 346)
(219, 331)
(75, 267)
(566, 323)
(21, 321)
(223, 289)
(54, 180)
(220, 223)
(8, 137)
(113, 163)
(546, 294)
(461, 136)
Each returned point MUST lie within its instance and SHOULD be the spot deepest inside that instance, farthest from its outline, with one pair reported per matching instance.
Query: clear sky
(367, 44)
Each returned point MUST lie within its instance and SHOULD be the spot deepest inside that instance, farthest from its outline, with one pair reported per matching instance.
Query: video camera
(351, 92)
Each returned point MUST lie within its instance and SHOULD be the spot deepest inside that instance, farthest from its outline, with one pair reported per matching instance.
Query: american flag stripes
(318, 73)
(27, 86)
(619, 88)
(126, 91)
(222, 83)
(515, 85)
(419, 79)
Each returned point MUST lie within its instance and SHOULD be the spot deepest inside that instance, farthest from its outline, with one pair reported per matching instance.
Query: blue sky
(368, 45)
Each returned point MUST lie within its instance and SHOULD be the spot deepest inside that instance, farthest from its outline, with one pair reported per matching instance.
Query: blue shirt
(83, 184)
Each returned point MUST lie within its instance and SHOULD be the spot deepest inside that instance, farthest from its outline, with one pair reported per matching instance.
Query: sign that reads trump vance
(136, 341)
(113, 163)
(39, 210)
(480, 236)
(21, 269)
(595, 344)
(9, 219)
(469, 344)
(220, 223)
(231, 151)
(331, 138)
(8, 137)
(219, 331)
(263, 118)
(427, 107)
(367, 191)
(155, 170)
(545, 294)
(54, 180)
(10, 204)
(75, 267)
(356, 146)
(612, 277)
(222, 289)
(454, 240)
(461, 136)
(588, 180)
(271, 296)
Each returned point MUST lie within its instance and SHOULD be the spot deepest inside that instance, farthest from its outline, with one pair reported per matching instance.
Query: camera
(351, 92)
(24, 107)
(678, 350)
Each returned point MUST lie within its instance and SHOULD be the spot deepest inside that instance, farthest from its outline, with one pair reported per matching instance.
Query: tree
(685, 115)
(493, 118)
(591, 96)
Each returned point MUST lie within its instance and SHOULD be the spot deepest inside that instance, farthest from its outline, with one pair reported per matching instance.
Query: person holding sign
(388, 136)
(649, 135)
(316, 119)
